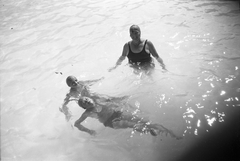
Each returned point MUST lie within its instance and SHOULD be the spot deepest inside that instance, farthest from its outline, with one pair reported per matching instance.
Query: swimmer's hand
(163, 66)
(110, 69)
(67, 114)
(164, 70)
(68, 117)
(92, 132)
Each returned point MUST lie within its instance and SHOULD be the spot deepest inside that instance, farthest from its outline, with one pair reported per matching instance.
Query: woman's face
(135, 33)
(72, 82)
(86, 103)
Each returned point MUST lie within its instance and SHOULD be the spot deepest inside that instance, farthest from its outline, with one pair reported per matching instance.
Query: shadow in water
(222, 143)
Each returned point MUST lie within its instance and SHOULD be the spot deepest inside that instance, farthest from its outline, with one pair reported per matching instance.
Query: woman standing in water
(139, 51)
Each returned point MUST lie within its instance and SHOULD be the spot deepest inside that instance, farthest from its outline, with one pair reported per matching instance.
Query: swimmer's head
(135, 32)
(71, 81)
(134, 28)
(86, 102)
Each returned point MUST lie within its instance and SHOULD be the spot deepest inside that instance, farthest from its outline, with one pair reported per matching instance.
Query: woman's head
(71, 81)
(134, 27)
(86, 102)
(135, 32)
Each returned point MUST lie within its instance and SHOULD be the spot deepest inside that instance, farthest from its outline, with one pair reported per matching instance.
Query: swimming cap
(70, 79)
(85, 102)
(135, 27)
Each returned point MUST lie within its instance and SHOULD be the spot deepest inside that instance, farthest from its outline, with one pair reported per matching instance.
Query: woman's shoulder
(148, 41)
(127, 43)
(126, 46)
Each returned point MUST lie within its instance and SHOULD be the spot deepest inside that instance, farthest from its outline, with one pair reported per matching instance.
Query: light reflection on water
(45, 41)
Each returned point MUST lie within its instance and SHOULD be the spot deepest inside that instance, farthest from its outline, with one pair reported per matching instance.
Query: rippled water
(42, 42)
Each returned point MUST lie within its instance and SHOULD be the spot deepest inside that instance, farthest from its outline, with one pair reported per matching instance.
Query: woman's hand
(92, 132)
(163, 67)
(110, 69)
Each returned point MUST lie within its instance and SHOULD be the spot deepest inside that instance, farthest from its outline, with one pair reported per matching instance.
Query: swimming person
(117, 119)
(139, 52)
(81, 88)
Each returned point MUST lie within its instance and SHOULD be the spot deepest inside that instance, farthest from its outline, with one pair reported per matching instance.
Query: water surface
(42, 42)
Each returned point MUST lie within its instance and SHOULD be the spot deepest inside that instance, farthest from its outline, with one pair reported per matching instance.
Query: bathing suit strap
(145, 44)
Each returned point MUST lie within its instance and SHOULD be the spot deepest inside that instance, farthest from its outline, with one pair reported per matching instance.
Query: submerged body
(80, 89)
(115, 118)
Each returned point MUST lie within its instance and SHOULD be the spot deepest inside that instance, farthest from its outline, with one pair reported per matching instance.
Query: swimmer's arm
(67, 99)
(155, 54)
(121, 58)
(78, 125)
(64, 109)
(91, 82)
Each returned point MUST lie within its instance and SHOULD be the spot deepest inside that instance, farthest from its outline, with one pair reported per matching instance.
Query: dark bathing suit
(140, 59)
(116, 116)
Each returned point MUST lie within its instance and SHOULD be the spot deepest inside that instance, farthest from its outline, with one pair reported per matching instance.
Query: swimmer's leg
(118, 99)
(135, 123)
(157, 129)
(127, 120)
(140, 125)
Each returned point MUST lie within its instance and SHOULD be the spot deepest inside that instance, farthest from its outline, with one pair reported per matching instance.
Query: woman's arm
(64, 109)
(121, 58)
(155, 54)
(91, 82)
(77, 123)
